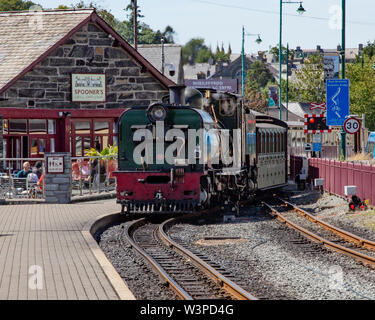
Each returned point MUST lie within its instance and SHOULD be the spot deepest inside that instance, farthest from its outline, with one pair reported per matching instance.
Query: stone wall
(91, 50)
(58, 186)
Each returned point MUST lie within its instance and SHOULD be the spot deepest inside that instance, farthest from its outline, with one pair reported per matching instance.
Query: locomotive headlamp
(157, 112)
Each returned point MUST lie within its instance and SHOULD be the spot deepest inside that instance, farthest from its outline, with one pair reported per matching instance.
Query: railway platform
(47, 252)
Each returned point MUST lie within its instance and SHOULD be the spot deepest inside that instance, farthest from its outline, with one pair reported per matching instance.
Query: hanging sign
(88, 87)
(55, 164)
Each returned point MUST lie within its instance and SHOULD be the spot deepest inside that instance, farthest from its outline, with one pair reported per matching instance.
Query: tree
(369, 49)
(309, 86)
(204, 55)
(255, 100)
(275, 52)
(191, 49)
(258, 76)
(103, 13)
(15, 5)
(362, 88)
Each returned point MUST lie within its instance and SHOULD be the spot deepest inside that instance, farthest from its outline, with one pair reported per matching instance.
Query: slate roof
(292, 117)
(191, 71)
(26, 38)
(172, 55)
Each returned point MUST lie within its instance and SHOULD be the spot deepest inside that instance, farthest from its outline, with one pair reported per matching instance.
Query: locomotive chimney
(177, 94)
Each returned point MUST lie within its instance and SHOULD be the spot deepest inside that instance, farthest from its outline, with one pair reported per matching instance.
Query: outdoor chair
(19, 187)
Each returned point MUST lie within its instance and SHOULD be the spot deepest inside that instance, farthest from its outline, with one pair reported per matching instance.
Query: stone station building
(65, 78)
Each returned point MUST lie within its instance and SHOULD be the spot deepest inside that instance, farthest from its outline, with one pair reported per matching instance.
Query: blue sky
(220, 21)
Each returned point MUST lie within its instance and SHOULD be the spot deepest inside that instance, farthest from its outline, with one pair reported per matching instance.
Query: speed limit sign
(352, 125)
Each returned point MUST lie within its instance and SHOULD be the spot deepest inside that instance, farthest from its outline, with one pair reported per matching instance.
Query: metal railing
(93, 175)
(14, 187)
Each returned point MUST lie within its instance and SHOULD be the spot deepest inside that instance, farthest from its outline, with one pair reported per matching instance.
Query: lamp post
(300, 10)
(343, 133)
(162, 55)
(258, 41)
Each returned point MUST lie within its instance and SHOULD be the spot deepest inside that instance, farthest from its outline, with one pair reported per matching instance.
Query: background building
(65, 78)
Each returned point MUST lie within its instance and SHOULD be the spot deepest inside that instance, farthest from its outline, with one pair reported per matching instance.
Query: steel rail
(228, 285)
(366, 260)
(173, 284)
(361, 242)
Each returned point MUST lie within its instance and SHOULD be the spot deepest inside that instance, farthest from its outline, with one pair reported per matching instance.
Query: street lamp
(300, 10)
(258, 41)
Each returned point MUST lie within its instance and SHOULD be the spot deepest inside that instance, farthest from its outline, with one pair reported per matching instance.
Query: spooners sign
(88, 87)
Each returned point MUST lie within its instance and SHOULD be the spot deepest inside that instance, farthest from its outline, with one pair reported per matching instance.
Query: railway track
(323, 233)
(190, 275)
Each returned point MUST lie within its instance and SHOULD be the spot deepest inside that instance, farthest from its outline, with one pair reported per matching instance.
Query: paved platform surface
(49, 236)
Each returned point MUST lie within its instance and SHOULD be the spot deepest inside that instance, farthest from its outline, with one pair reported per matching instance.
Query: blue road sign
(317, 147)
(337, 101)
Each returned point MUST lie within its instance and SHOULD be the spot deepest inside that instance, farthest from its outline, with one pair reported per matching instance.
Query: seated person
(40, 182)
(38, 170)
(26, 170)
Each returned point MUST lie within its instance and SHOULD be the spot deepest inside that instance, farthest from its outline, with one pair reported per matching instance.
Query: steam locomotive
(197, 149)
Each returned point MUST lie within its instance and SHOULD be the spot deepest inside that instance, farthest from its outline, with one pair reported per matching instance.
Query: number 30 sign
(352, 125)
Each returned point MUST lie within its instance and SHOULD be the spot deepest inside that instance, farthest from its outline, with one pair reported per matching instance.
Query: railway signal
(316, 123)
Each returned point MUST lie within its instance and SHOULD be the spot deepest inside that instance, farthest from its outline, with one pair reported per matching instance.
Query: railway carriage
(197, 151)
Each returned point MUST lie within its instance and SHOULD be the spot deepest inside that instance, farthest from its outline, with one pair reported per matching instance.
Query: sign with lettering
(55, 164)
(225, 85)
(88, 87)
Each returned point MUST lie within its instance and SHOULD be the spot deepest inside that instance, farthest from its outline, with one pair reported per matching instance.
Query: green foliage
(15, 5)
(125, 28)
(369, 49)
(110, 152)
(196, 51)
(255, 99)
(204, 55)
(275, 52)
(362, 89)
(310, 86)
(191, 49)
(258, 76)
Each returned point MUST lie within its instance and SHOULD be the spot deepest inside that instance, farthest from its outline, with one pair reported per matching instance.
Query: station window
(82, 127)
(81, 144)
(51, 126)
(18, 126)
(38, 126)
(101, 127)
(5, 126)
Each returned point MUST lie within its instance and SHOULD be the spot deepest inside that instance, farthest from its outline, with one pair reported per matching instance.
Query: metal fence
(92, 175)
(338, 174)
(14, 187)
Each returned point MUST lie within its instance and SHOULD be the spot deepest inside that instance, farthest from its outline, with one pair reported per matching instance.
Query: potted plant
(110, 153)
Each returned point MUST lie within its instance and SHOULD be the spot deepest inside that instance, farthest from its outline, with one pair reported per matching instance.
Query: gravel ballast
(142, 281)
(276, 262)
(268, 259)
